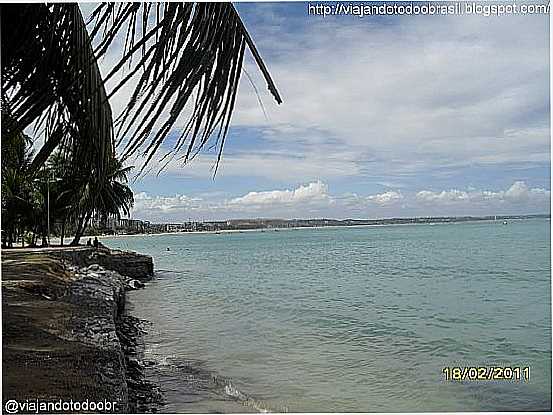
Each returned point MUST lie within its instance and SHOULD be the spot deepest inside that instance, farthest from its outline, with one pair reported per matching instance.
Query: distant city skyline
(382, 117)
(124, 226)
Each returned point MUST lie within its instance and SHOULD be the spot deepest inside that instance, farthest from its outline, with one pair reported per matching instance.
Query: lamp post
(48, 180)
(48, 205)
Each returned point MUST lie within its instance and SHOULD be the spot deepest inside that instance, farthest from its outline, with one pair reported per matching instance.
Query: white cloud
(518, 193)
(308, 200)
(443, 197)
(313, 192)
(386, 198)
(314, 200)
(162, 205)
(415, 94)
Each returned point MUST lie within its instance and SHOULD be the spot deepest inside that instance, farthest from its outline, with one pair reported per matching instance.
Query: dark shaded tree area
(30, 199)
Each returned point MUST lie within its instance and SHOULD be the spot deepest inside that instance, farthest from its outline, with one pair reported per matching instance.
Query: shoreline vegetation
(67, 335)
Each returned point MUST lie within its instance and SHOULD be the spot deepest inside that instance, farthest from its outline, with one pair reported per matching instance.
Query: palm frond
(49, 70)
(189, 58)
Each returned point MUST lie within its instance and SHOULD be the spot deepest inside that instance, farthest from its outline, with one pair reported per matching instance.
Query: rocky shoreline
(66, 336)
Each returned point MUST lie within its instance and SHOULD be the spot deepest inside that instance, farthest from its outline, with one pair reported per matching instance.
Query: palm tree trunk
(81, 228)
(62, 231)
(78, 232)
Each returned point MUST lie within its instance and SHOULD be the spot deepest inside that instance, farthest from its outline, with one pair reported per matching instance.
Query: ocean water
(348, 319)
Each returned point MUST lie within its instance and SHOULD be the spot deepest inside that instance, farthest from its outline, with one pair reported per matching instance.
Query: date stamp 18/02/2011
(486, 373)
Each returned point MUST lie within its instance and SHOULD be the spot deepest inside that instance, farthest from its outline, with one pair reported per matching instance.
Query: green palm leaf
(48, 69)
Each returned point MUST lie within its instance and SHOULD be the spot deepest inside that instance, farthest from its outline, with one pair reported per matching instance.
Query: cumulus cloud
(166, 205)
(386, 198)
(518, 193)
(315, 200)
(309, 198)
(444, 196)
(313, 192)
(306, 200)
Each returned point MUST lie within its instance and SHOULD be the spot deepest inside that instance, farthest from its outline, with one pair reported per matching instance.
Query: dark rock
(129, 264)
(143, 395)
(135, 284)
(65, 332)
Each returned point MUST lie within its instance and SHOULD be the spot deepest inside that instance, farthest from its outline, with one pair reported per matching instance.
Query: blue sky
(394, 116)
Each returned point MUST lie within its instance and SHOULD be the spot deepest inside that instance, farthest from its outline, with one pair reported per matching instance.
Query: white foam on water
(232, 391)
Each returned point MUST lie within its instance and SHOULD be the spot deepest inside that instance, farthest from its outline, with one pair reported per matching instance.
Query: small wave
(232, 391)
(193, 376)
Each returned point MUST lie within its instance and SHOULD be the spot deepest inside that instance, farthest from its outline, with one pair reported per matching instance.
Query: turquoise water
(349, 319)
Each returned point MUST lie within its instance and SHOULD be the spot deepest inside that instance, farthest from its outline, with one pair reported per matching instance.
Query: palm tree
(62, 192)
(16, 188)
(16, 206)
(108, 197)
(183, 57)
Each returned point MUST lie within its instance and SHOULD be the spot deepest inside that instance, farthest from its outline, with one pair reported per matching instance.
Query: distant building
(177, 227)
